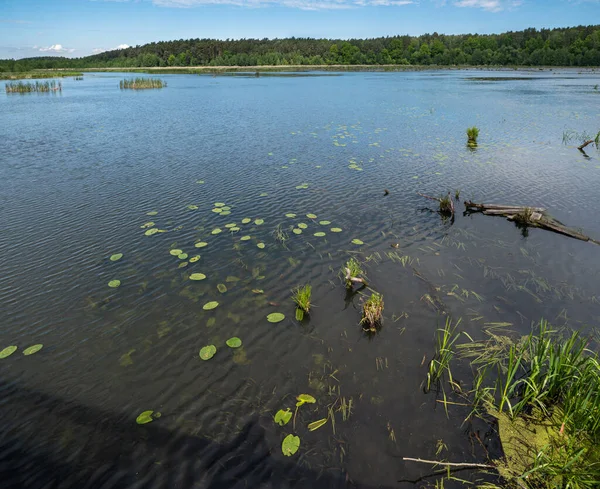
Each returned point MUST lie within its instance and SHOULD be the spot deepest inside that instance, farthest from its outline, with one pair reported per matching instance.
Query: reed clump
(301, 296)
(472, 135)
(141, 83)
(31, 87)
(353, 273)
(372, 312)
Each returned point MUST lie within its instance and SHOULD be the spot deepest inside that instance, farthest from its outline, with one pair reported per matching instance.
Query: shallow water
(80, 172)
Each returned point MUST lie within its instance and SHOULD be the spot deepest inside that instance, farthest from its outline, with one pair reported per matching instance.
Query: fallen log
(528, 216)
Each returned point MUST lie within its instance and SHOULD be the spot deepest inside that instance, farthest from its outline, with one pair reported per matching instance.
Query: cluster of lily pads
(9, 350)
(209, 351)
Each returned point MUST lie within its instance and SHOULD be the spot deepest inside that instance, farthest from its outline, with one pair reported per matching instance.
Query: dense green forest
(574, 46)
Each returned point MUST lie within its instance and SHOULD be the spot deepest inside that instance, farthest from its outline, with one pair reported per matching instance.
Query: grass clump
(141, 83)
(353, 273)
(472, 135)
(446, 337)
(524, 217)
(31, 87)
(446, 204)
(372, 313)
(301, 296)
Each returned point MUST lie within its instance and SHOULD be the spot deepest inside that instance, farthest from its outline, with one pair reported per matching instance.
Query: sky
(76, 28)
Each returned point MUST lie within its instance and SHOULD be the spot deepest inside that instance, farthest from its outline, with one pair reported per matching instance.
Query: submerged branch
(449, 464)
(580, 148)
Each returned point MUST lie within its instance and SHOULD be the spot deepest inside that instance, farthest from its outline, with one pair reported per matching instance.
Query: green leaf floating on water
(32, 349)
(150, 232)
(264, 194)
(324, 223)
(319, 234)
(297, 231)
(116, 257)
(147, 225)
(151, 213)
(246, 220)
(219, 204)
(290, 215)
(336, 230)
(182, 256)
(197, 276)
(146, 417)
(283, 417)
(210, 305)
(234, 342)
(8, 351)
(207, 352)
(260, 245)
(201, 244)
(217, 210)
(194, 259)
(245, 238)
(258, 222)
(230, 225)
(114, 283)
(222, 288)
(299, 314)
(290, 445)
(200, 182)
(234, 230)
(305, 399)
(311, 216)
(315, 425)
(302, 225)
(357, 242)
(192, 207)
(216, 231)
(226, 208)
(225, 213)
(176, 252)
(275, 317)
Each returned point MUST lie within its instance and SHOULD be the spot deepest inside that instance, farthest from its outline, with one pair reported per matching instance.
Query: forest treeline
(573, 46)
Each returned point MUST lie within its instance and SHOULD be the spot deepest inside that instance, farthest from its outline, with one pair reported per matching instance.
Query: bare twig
(580, 148)
(449, 464)
(353, 279)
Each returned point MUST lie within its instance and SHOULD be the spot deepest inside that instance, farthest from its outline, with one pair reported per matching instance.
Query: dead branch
(580, 148)
(449, 464)
(355, 280)
(430, 198)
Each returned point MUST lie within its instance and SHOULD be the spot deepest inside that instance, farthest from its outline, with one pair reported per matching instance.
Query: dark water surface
(80, 171)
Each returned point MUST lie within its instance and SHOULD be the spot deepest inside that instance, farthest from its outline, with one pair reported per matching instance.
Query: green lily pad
(200, 182)
(290, 445)
(290, 215)
(197, 276)
(176, 252)
(315, 425)
(219, 204)
(260, 245)
(245, 238)
(302, 225)
(264, 194)
(8, 351)
(222, 288)
(145, 417)
(151, 213)
(201, 244)
(234, 342)
(217, 210)
(183, 256)
(225, 213)
(192, 207)
(215, 231)
(297, 231)
(305, 399)
(210, 305)
(207, 352)
(147, 225)
(324, 223)
(311, 216)
(32, 349)
(357, 241)
(230, 225)
(150, 232)
(275, 317)
(114, 283)
(116, 257)
(258, 222)
(283, 417)
(231, 279)
(183, 264)
(319, 234)
(194, 259)
(336, 230)
(234, 230)
(246, 220)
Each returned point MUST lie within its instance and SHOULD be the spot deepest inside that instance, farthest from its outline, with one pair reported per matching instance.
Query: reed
(472, 135)
(31, 87)
(301, 296)
(141, 83)
(446, 337)
(372, 313)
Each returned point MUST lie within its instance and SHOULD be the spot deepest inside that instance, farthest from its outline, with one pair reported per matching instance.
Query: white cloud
(299, 4)
(102, 50)
(489, 5)
(55, 48)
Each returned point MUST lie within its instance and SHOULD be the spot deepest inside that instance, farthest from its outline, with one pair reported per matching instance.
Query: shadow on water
(120, 456)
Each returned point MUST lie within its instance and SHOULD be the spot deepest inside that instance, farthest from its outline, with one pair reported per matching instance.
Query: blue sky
(81, 27)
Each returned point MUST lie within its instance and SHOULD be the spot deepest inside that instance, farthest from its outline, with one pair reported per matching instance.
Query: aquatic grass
(280, 235)
(31, 87)
(472, 135)
(141, 83)
(301, 296)
(352, 270)
(372, 312)
(26, 75)
(439, 365)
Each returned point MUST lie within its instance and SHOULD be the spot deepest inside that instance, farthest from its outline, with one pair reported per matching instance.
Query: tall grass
(30, 87)
(446, 337)
(472, 135)
(372, 313)
(141, 83)
(301, 296)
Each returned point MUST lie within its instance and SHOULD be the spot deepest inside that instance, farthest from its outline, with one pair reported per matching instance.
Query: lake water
(83, 171)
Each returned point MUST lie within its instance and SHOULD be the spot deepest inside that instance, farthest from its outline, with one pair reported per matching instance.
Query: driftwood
(446, 205)
(354, 280)
(448, 464)
(580, 148)
(530, 216)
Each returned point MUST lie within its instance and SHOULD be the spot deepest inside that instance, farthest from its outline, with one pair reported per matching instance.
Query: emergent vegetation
(301, 296)
(29, 87)
(372, 313)
(141, 83)
(472, 135)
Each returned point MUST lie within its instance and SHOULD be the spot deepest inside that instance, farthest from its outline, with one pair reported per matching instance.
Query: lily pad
(176, 252)
(183, 264)
(315, 425)
(217, 210)
(234, 230)
(194, 259)
(275, 317)
(297, 231)
(290, 215)
(336, 230)
(283, 417)
(246, 220)
(245, 238)
(264, 194)
(219, 204)
(234, 342)
(182, 256)
(216, 231)
(147, 225)
(260, 245)
(207, 352)
(116, 257)
(357, 241)
(210, 305)
(302, 225)
(201, 244)
(150, 232)
(230, 225)
(311, 216)
(231, 278)
(192, 207)
(290, 445)
(145, 417)
(222, 288)
(151, 213)
(319, 234)
(305, 399)
(8, 351)
(225, 213)
(32, 349)
(324, 223)
(197, 276)
(258, 222)
(200, 182)
(114, 283)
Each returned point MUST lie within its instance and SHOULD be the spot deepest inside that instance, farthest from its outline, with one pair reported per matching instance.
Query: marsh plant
(457, 194)
(439, 365)
(353, 273)
(301, 296)
(30, 87)
(372, 312)
(141, 83)
(472, 135)
(446, 204)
